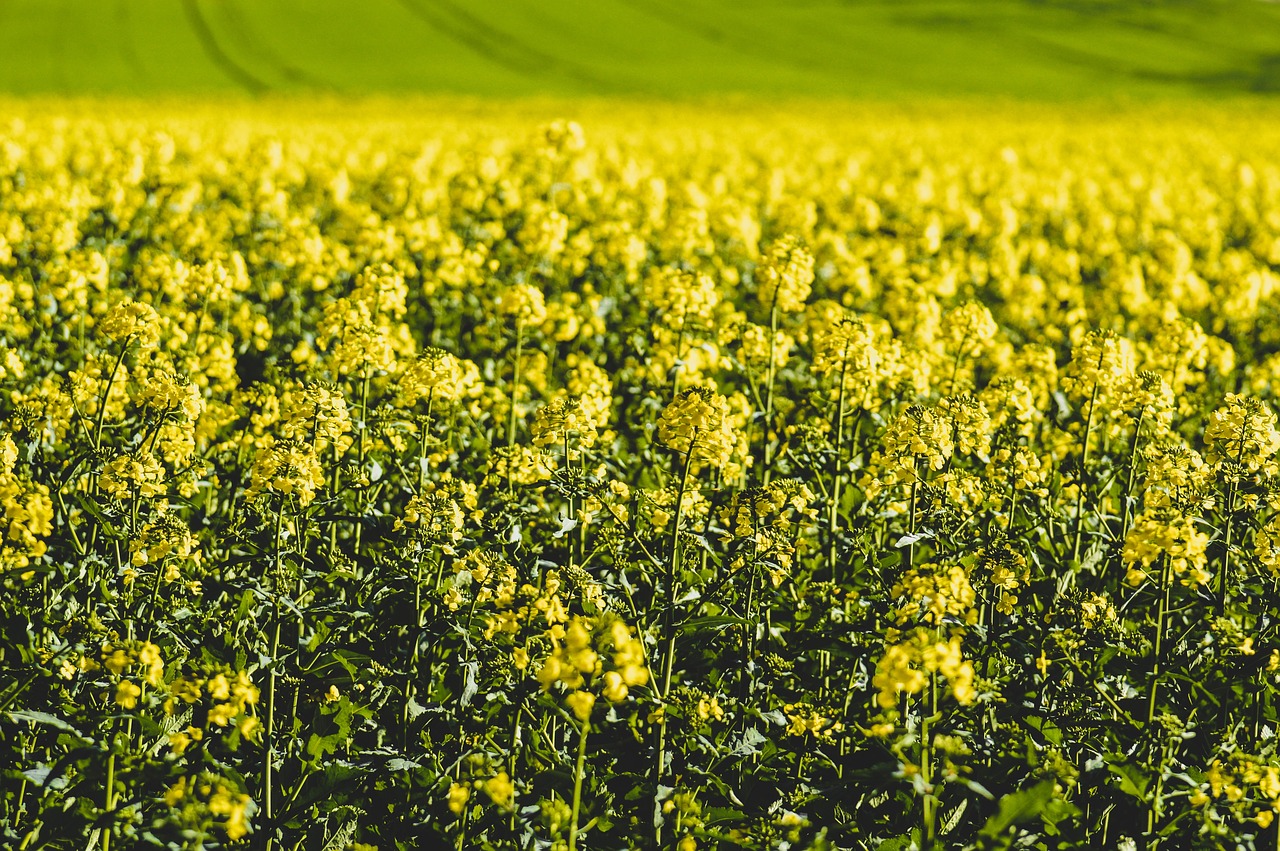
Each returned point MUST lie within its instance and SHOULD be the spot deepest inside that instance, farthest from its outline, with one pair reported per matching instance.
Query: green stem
(1166, 580)
(1225, 565)
(668, 622)
(271, 677)
(110, 802)
(911, 516)
(422, 441)
(834, 511)
(578, 773)
(414, 656)
(749, 631)
(928, 806)
(1133, 470)
(675, 369)
(511, 761)
(768, 392)
(364, 429)
(1084, 461)
(106, 395)
(515, 392)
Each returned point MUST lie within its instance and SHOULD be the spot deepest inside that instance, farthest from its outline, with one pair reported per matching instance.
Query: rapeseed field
(569, 475)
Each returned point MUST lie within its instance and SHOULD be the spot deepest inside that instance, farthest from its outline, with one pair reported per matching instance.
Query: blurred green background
(1039, 49)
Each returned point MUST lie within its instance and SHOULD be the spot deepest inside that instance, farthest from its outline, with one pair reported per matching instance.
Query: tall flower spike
(697, 422)
(785, 276)
(1242, 431)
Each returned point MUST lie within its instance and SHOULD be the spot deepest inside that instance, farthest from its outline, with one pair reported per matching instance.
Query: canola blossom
(684, 478)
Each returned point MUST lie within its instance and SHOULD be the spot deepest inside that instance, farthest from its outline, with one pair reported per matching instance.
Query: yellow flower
(289, 468)
(500, 789)
(117, 660)
(615, 689)
(1163, 532)
(681, 296)
(183, 739)
(785, 276)
(222, 713)
(1099, 364)
(1242, 431)
(969, 329)
(132, 474)
(697, 422)
(563, 422)
(436, 375)
(132, 322)
(581, 702)
(524, 303)
(176, 793)
(127, 694)
(458, 797)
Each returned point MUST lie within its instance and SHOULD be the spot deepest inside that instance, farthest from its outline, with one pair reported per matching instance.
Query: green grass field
(1041, 49)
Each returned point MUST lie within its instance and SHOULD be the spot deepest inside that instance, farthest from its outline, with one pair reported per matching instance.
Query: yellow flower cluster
(1243, 432)
(360, 331)
(578, 662)
(971, 424)
(27, 516)
(917, 439)
(1007, 570)
(133, 474)
(563, 422)
(803, 719)
(164, 395)
(1176, 476)
(1246, 783)
(316, 415)
(591, 386)
(1021, 467)
(434, 517)
(905, 667)
(437, 376)
(289, 468)
(1100, 365)
(697, 423)
(765, 519)
(132, 323)
(120, 658)
(224, 694)
(166, 541)
(523, 465)
(1098, 613)
(681, 298)
(524, 303)
(970, 329)
(784, 277)
(1166, 534)
(934, 594)
(207, 800)
(1266, 546)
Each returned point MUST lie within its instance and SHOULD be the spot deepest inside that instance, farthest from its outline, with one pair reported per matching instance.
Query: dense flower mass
(694, 477)
(1166, 536)
(697, 424)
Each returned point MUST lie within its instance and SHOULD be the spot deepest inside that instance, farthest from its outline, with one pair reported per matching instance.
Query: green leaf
(1131, 779)
(1017, 808)
(339, 724)
(43, 718)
